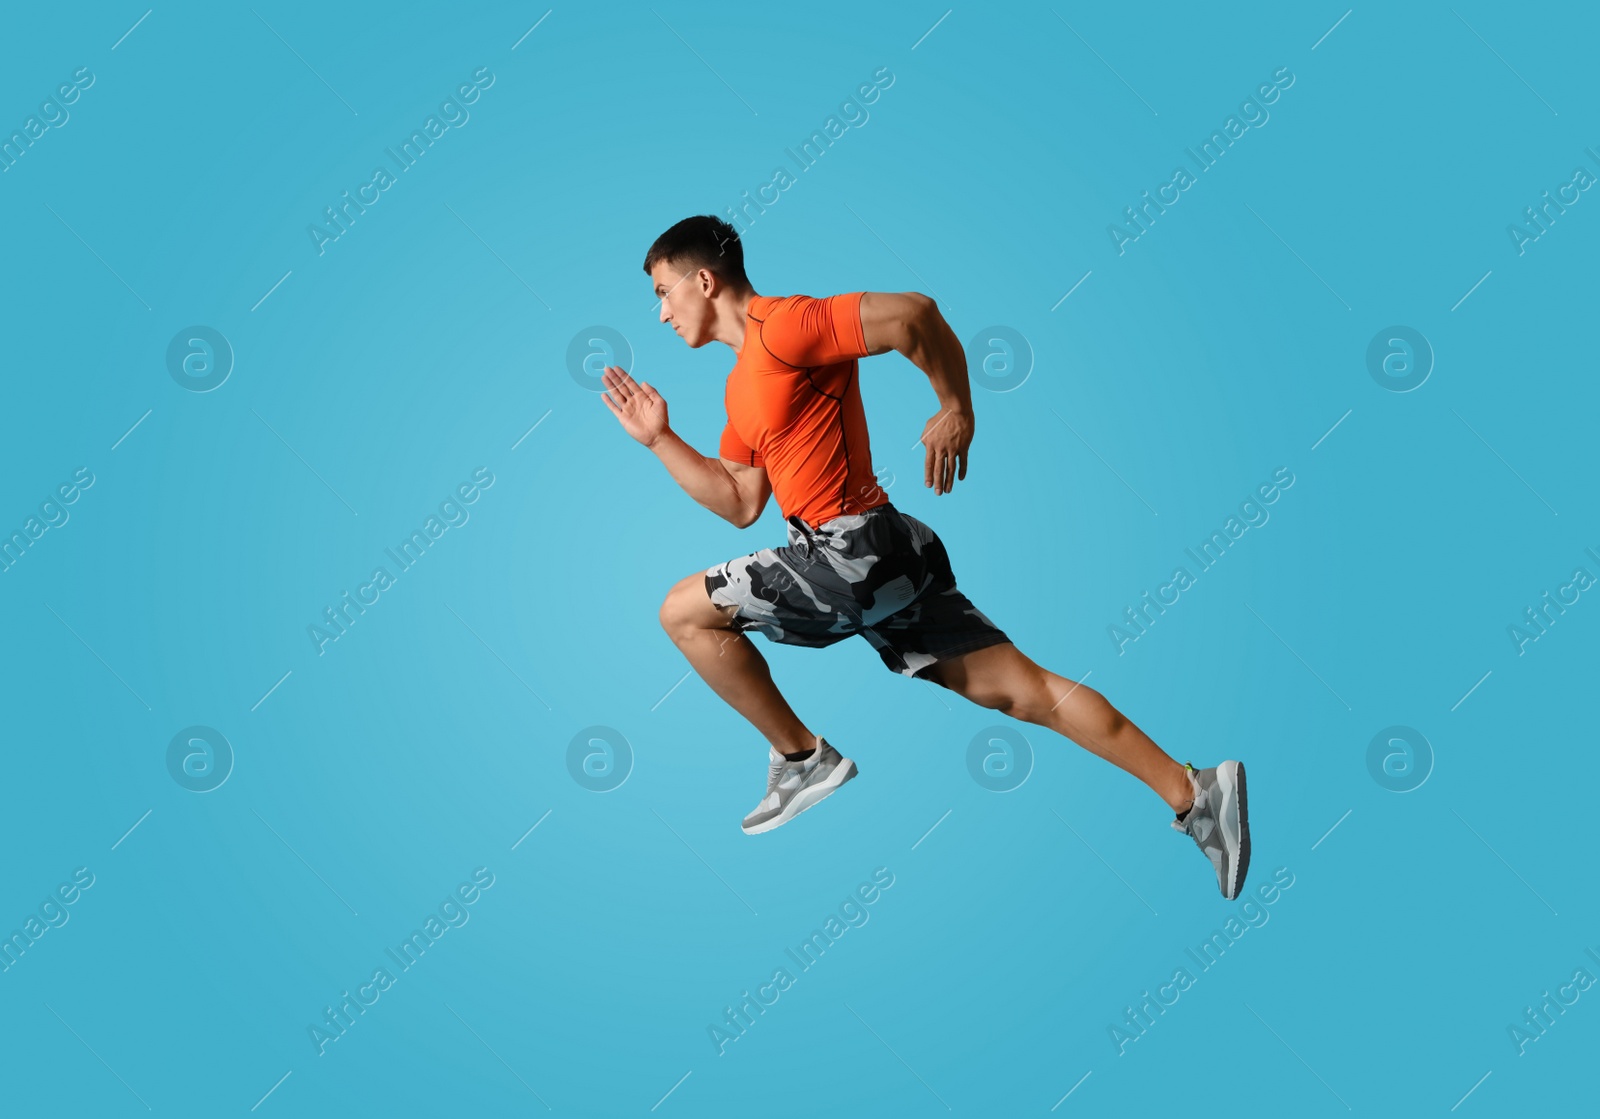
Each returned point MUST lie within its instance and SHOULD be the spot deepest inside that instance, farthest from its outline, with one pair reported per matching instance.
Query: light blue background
(429, 338)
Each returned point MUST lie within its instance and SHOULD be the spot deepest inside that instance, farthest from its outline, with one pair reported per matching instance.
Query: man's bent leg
(1003, 678)
(729, 662)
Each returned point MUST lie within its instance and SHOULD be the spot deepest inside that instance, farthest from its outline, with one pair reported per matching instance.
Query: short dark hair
(704, 241)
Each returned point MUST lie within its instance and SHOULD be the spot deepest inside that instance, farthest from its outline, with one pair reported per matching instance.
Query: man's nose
(663, 317)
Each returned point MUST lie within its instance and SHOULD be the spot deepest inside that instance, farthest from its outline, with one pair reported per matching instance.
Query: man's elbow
(737, 515)
(923, 322)
(752, 509)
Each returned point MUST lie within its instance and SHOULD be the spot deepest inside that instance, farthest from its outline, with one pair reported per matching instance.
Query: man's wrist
(656, 443)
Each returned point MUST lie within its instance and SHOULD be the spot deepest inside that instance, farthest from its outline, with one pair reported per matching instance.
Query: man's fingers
(617, 379)
(927, 469)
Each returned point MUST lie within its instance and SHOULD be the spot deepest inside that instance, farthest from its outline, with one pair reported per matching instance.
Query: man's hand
(947, 436)
(638, 407)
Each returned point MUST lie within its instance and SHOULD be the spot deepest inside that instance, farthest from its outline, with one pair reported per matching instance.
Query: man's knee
(671, 613)
(996, 697)
(676, 611)
(994, 677)
(1016, 702)
(1023, 694)
(688, 606)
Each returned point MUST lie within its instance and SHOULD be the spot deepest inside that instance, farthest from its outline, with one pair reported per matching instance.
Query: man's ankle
(803, 752)
(1186, 799)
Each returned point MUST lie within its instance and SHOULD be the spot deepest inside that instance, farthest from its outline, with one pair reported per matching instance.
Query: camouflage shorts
(882, 574)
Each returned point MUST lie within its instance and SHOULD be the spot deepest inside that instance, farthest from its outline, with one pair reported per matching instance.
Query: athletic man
(854, 564)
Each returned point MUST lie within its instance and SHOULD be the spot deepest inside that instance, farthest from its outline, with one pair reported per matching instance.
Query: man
(854, 564)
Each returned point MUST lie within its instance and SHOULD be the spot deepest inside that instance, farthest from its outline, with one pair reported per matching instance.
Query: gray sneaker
(1218, 822)
(793, 787)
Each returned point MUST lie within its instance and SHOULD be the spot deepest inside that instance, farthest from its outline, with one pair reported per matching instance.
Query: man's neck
(732, 320)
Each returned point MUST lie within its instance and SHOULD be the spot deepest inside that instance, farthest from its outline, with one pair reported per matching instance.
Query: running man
(854, 564)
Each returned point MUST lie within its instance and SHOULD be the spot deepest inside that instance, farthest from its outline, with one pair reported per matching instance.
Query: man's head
(696, 262)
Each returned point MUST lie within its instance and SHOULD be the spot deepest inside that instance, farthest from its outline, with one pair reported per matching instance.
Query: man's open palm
(638, 407)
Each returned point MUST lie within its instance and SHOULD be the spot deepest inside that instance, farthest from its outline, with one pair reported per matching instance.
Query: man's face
(685, 300)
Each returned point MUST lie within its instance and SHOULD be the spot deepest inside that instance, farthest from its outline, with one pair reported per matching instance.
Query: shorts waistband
(818, 530)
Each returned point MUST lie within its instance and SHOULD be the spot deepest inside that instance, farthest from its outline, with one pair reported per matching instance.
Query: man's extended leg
(1210, 803)
(730, 662)
(1002, 677)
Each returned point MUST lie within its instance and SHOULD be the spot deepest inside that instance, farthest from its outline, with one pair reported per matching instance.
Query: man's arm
(910, 323)
(732, 490)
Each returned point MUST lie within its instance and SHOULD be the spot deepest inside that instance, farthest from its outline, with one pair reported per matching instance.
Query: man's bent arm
(704, 479)
(937, 351)
(910, 322)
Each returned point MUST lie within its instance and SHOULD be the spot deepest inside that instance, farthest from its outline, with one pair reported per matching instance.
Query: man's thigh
(941, 624)
(787, 594)
(940, 627)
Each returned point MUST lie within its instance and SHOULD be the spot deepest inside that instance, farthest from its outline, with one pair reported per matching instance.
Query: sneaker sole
(807, 797)
(1230, 778)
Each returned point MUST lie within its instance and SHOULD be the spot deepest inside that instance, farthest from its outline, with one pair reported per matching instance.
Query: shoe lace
(778, 761)
(775, 770)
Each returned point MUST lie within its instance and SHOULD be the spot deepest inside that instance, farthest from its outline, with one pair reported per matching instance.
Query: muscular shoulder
(804, 330)
(762, 306)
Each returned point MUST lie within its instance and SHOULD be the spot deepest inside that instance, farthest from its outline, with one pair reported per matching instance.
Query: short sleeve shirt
(794, 405)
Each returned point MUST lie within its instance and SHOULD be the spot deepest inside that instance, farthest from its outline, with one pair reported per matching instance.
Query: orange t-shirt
(794, 405)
